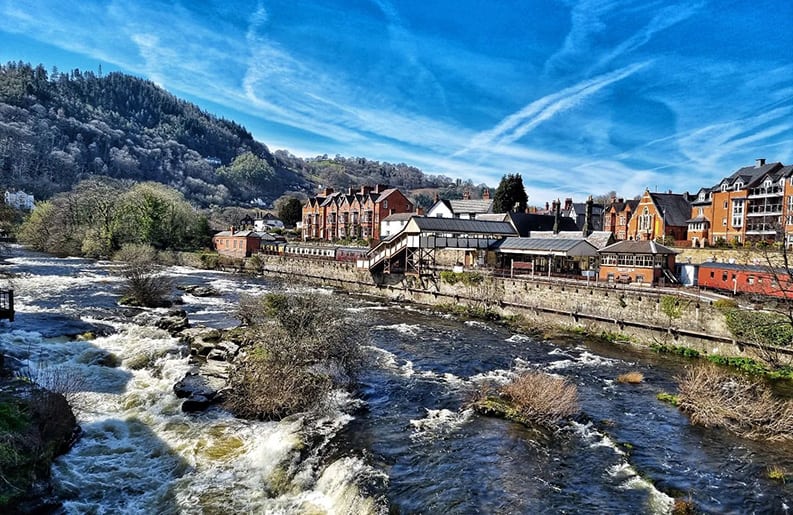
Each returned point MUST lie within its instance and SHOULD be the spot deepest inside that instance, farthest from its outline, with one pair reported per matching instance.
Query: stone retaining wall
(635, 314)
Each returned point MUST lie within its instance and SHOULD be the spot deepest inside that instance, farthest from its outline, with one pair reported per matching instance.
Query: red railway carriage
(746, 279)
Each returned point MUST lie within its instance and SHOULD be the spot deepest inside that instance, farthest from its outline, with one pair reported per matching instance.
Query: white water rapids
(139, 454)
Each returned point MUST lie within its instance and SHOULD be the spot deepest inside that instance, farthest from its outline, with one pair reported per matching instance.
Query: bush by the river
(533, 398)
(303, 348)
(144, 284)
(36, 426)
(746, 407)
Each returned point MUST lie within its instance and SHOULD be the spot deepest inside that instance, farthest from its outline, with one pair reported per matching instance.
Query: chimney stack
(568, 204)
(588, 217)
(759, 162)
(486, 194)
(466, 195)
(557, 204)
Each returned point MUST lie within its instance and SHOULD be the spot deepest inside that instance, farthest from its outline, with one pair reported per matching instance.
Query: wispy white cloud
(518, 124)
(424, 97)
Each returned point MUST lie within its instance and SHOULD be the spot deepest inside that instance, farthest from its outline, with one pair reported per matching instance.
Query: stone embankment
(634, 313)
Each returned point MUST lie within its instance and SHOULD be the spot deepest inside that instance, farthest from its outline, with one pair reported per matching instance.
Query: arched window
(644, 220)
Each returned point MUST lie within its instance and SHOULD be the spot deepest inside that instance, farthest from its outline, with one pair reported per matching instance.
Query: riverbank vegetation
(532, 399)
(748, 408)
(301, 348)
(101, 215)
(36, 426)
(144, 283)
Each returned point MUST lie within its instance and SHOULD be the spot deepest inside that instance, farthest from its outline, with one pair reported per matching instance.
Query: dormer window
(702, 195)
(767, 183)
(724, 187)
(738, 186)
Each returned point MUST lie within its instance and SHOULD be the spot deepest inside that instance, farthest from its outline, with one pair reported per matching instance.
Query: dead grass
(542, 398)
(631, 378)
(714, 398)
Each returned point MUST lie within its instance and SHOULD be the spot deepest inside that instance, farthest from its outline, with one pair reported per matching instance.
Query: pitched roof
(460, 226)
(598, 239)
(525, 223)
(675, 207)
(398, 217)
(470, 206)
(637, 247)
(565, 246)
(244, 234)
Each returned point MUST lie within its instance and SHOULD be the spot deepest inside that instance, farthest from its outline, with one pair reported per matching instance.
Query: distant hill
(59, 128)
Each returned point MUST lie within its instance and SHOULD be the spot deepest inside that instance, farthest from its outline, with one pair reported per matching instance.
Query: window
(725, 204)
(644, 220)
(712, 274)
(738, 186)
(385, 204)
(724, 186)
(737, 213)
(724, 276)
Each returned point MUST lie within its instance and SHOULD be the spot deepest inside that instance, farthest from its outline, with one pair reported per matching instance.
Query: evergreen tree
(510, 195)
(290, 211)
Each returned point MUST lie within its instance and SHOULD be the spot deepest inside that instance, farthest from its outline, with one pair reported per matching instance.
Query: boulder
(196, 403)
(201, 340)
(198, 290)
(174, 321)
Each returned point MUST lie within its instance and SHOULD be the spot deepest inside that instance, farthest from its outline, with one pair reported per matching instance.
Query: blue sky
(579, 97)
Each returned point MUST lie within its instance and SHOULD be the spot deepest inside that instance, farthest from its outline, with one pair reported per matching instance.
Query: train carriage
(746, 279)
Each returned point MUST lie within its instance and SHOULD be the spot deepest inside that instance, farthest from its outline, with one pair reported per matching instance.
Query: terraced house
(753, 204)
(335, 215)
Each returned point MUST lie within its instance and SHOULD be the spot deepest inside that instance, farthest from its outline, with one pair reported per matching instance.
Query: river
(401, 444)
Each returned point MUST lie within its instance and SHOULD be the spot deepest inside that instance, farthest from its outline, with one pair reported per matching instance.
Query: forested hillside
(59, 128)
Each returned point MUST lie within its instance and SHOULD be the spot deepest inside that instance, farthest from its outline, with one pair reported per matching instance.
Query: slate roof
(675, 207)
(637, 247)
(459, 226)
(399, 217)
(568, 247)
(598, 239)
(525, 223)
(245, 234)
(749, 175)
(471, 206)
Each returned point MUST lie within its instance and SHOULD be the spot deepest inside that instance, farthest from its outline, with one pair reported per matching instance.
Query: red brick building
(238, 244)
(637, 262)
(617, 215)
(337, 215)
(660, 216)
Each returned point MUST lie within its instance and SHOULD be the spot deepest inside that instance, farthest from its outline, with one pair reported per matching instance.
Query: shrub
(674, 349)
(304, 348)
(759, 327)
(777, 473)
(542, 398)
(143, 284)
(747, 408)
(725, 304)
(465, 278)
(631, 378)
(668, 398)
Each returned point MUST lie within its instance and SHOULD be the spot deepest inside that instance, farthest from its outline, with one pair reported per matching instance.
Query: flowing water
(402, 442)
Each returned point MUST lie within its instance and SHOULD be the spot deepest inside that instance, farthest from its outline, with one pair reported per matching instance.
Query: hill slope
(59, 128)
